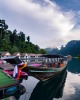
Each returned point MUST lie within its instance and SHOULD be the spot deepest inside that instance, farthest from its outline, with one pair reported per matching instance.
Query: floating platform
(8, 85)
(17, 95)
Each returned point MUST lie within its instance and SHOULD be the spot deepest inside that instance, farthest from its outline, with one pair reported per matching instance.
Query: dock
(5, 80)
(8, 85)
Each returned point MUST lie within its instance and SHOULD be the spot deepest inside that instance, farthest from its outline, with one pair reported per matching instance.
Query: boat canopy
(12, 59)
(52, 56)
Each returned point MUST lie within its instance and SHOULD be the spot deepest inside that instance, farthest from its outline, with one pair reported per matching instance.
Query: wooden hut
(5, 54)
(17, 54)
(24, 57)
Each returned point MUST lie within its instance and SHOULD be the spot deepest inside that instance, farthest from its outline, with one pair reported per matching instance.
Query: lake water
(63, 87)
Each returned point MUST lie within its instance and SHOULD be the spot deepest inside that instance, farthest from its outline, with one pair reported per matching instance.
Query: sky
(49, 23)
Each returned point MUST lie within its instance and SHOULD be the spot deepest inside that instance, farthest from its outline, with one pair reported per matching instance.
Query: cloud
(72, 85)
(43, 20)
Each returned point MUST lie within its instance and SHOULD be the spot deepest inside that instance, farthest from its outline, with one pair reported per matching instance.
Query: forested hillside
(13, 41)
(71, 48)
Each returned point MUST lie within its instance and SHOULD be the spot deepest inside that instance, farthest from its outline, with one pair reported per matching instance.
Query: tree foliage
(16, 42)
(3, 28)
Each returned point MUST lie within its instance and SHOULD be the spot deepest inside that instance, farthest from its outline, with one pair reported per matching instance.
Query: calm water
(64, 87)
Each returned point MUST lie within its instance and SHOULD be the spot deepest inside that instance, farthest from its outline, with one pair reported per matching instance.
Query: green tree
(3, 28)
(13, 42)
(28, 38)
(13, 37)
(21, 36)
(42, 51)
(5, 45)
(14, 49)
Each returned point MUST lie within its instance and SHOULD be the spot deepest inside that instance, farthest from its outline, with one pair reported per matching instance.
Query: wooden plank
(6, 81)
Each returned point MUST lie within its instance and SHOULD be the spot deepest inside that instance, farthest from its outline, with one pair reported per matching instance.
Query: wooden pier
(8, 85)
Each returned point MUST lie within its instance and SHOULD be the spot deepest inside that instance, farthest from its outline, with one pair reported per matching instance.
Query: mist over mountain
(71, 48)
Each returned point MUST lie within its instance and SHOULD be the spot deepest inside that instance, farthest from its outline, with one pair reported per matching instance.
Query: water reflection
(74, 66)
(64, 87)
(50, 89)
(72, 87)
(16, 95)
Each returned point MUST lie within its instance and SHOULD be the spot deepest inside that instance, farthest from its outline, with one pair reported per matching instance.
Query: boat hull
(44, 74)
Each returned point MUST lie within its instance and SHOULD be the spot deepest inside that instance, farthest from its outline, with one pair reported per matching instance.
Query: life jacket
(61, 64)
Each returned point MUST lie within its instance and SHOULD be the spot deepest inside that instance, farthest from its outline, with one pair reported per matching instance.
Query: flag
(22, 65)
(15, 72)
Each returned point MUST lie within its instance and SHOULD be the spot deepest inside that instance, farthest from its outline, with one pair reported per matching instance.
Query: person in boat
(50, 64)
(61, 63)
(46, 66)
(53, 64)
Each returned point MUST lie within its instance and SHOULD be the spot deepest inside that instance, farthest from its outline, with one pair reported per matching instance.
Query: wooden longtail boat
(7, 64)
(50, 67)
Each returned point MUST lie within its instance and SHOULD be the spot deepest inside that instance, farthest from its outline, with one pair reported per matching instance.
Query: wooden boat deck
(6, 66)
(6, 81)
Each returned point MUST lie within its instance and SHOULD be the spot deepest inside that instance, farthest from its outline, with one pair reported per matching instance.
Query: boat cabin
(53, 60)
(5, 54)
(12, 60)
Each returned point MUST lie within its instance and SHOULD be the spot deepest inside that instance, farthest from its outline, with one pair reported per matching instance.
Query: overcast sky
(49, 23)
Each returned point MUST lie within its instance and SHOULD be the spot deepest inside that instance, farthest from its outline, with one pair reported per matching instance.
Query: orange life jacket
(61, 64)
